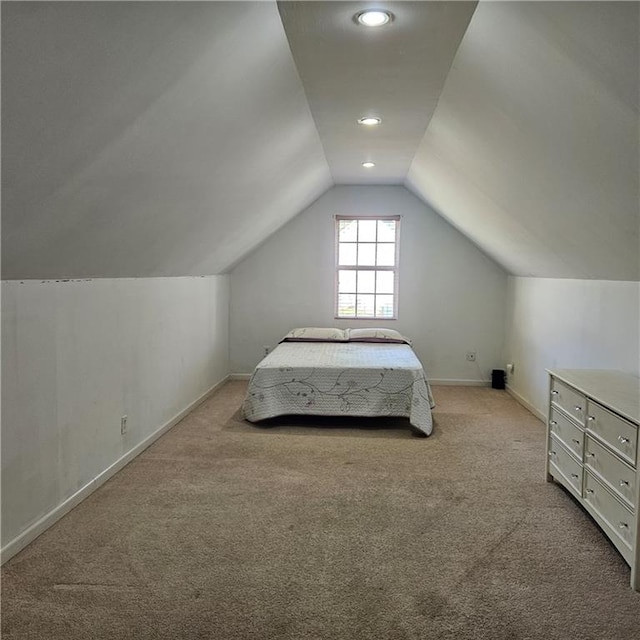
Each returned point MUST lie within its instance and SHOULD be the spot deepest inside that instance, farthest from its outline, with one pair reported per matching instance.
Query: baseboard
(239, 376)
(526, 404)
(31, 533)
(446, 382)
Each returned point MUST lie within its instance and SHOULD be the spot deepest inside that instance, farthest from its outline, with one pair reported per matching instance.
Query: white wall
(452, 296)
(76, 357)
(569, 324)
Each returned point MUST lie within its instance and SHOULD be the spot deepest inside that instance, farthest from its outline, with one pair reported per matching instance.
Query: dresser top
(616, 390)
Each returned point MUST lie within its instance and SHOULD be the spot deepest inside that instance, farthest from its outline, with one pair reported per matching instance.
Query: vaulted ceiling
(171, 138)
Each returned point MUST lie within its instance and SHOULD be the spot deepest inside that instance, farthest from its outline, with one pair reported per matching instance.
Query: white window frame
(395, 268)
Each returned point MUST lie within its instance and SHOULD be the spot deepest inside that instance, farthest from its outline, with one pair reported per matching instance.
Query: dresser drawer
(566, 431)
(563, 464)
(568, 399)
(618, 519)
(617, 475)
(620, 435)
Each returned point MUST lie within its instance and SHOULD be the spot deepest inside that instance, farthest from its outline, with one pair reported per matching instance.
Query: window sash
(356, 267)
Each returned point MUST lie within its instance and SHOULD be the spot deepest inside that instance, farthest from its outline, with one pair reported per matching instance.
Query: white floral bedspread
(359, 379)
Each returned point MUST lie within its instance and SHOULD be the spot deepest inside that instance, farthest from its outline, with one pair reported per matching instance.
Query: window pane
(347, 253)
(365, 305)
(346, 305)
(366, 254)
(384, 282)
(386, 230)
(367, 231)
(384, 306)
(347, 281)
(347, 231)
(386, 255)
(366, 281)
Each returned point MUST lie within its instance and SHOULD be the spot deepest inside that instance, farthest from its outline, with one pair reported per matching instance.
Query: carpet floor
(308, 530)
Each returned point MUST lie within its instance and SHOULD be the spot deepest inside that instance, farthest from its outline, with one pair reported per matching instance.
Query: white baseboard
(526, 404)
(30, 534)
(445, 382)
(239, 376)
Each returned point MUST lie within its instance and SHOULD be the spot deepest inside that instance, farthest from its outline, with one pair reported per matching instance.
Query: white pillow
(316, 334)
(377, 335)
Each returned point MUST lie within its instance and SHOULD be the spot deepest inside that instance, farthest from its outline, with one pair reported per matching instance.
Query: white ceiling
(144, 139)
(533, 150)
(171, 138)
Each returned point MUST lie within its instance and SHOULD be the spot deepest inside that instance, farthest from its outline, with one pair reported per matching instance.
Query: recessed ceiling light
(370, 120)
(373, 17)
(368, 165)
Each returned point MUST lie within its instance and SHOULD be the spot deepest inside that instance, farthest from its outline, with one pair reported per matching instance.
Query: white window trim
(395, 268)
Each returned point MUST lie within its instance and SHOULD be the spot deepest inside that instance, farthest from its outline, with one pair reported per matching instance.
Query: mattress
(338, 379)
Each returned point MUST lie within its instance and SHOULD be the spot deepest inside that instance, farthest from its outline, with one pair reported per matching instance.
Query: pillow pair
(326, 334)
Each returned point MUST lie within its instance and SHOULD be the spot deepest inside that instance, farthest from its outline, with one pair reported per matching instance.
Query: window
(367, 267)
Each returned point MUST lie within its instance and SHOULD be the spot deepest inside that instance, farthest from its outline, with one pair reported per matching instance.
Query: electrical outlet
(123, 425)
(471, 356)
(267, 349)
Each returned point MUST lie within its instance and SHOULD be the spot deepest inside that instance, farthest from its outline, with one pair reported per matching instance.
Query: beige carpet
(223, 531)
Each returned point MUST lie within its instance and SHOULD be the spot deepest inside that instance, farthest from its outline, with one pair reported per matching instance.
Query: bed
(338, 372)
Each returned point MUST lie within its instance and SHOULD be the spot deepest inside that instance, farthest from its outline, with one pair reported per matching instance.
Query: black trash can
(497, 379)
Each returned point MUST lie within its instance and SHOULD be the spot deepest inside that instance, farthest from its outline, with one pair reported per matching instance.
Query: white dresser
(592, 449)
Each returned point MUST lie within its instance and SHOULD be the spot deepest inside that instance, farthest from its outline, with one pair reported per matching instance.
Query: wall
(76, 357)
(569, 324)
(452, 296)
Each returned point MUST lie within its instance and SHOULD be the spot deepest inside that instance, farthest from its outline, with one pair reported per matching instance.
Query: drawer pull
(590, 491)
(575, 440)
(589, 455)
(554, 392)
(577, 408)
(623, 440)
(623, 525)
(574, 475)
(553, 423)
(624, 483)
(552, 453)
(591, 418)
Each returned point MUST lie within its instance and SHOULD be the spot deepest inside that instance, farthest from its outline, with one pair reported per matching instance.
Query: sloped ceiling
(533, 149)
(171, 138)
(144, 139)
